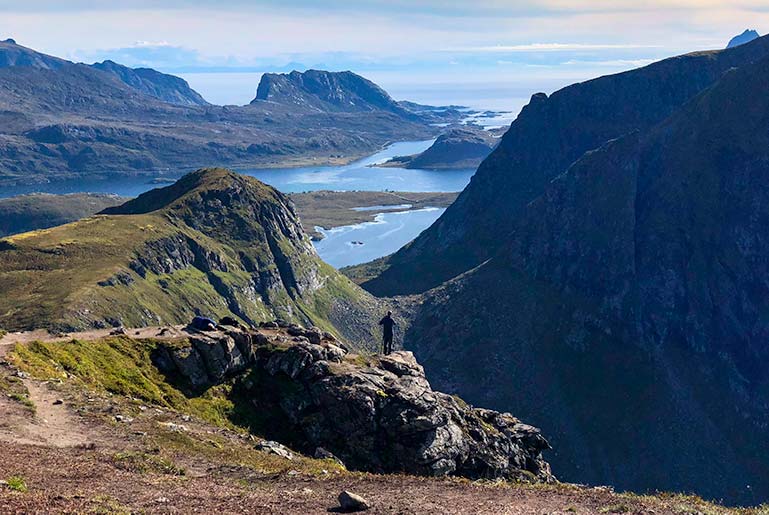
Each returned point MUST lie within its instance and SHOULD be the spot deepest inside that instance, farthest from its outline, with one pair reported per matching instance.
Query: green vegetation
(359, 274)
(121, 366)
(173, 253)
(219, 449)
(42, 273)
(17, 484)
(13, 387)
(39, 210)
(144, 463)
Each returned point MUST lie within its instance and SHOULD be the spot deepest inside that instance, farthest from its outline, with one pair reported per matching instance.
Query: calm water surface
(342, 246)
(359, 243)
(354, 176)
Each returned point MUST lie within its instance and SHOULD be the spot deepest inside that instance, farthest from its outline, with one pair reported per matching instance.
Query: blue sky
(510, 47)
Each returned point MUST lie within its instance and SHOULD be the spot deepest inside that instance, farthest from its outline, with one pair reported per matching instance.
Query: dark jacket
(387, 324)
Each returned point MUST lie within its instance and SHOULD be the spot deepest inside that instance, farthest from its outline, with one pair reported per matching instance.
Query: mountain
(214, 243)
(326, 91)
(167, 88)
(25, 213)
(457, 148)
(549, 135)
(12, 54)
(78, 121)
(746, 37)
(625, 312)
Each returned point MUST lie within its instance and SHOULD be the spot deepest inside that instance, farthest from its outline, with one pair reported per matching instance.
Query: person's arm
(381, 322)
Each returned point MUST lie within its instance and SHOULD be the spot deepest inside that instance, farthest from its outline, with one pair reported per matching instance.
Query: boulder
(275, 448)
(350, 502)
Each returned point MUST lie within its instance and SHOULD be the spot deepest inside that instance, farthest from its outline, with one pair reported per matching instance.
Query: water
(360, 243)
(354, 176)
(360, 176)
(399, 207)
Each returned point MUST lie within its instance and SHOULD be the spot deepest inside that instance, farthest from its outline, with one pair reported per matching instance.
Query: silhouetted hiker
(387, 324)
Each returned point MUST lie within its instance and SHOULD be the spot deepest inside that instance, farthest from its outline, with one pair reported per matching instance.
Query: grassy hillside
(40, 211)
(215, 243)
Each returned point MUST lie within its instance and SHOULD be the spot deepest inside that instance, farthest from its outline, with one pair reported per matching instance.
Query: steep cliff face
(162, 86)
(632, 295)
(548, 136)
(377, 414)
(214, 243)
(167, 88)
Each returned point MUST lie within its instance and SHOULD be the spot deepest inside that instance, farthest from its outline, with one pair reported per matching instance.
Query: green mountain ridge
(214, 243)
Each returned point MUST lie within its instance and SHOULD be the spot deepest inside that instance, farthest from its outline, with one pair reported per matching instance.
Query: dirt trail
(41, 335)
(53, 423)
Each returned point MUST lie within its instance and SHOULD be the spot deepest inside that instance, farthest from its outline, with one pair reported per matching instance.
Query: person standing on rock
(387, 324)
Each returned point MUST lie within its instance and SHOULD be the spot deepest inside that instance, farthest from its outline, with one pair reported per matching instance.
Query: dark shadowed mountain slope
(461, 147)
(746, 37)
(626, 313)
(167, 88)
(214, 243)
(549, 135)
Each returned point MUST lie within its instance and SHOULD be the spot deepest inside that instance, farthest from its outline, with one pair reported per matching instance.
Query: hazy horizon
(423, 51)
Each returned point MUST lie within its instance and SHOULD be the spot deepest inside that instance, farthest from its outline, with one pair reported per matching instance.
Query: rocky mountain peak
(168, 88)
(13, 54)
(203, 182)
(327, 91)
(746, 37)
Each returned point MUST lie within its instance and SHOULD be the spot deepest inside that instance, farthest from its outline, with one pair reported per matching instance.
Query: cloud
(611, 63)
(549, 47)
(159, 54)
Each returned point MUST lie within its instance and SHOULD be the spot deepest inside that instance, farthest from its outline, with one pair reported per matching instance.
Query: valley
(327, 299)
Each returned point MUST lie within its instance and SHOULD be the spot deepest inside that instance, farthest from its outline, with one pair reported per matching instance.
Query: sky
(493, 53)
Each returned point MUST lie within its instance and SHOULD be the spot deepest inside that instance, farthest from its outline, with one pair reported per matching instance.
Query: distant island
(458, 148)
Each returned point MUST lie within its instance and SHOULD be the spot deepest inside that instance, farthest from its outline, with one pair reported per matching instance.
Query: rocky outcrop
(374, 413)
